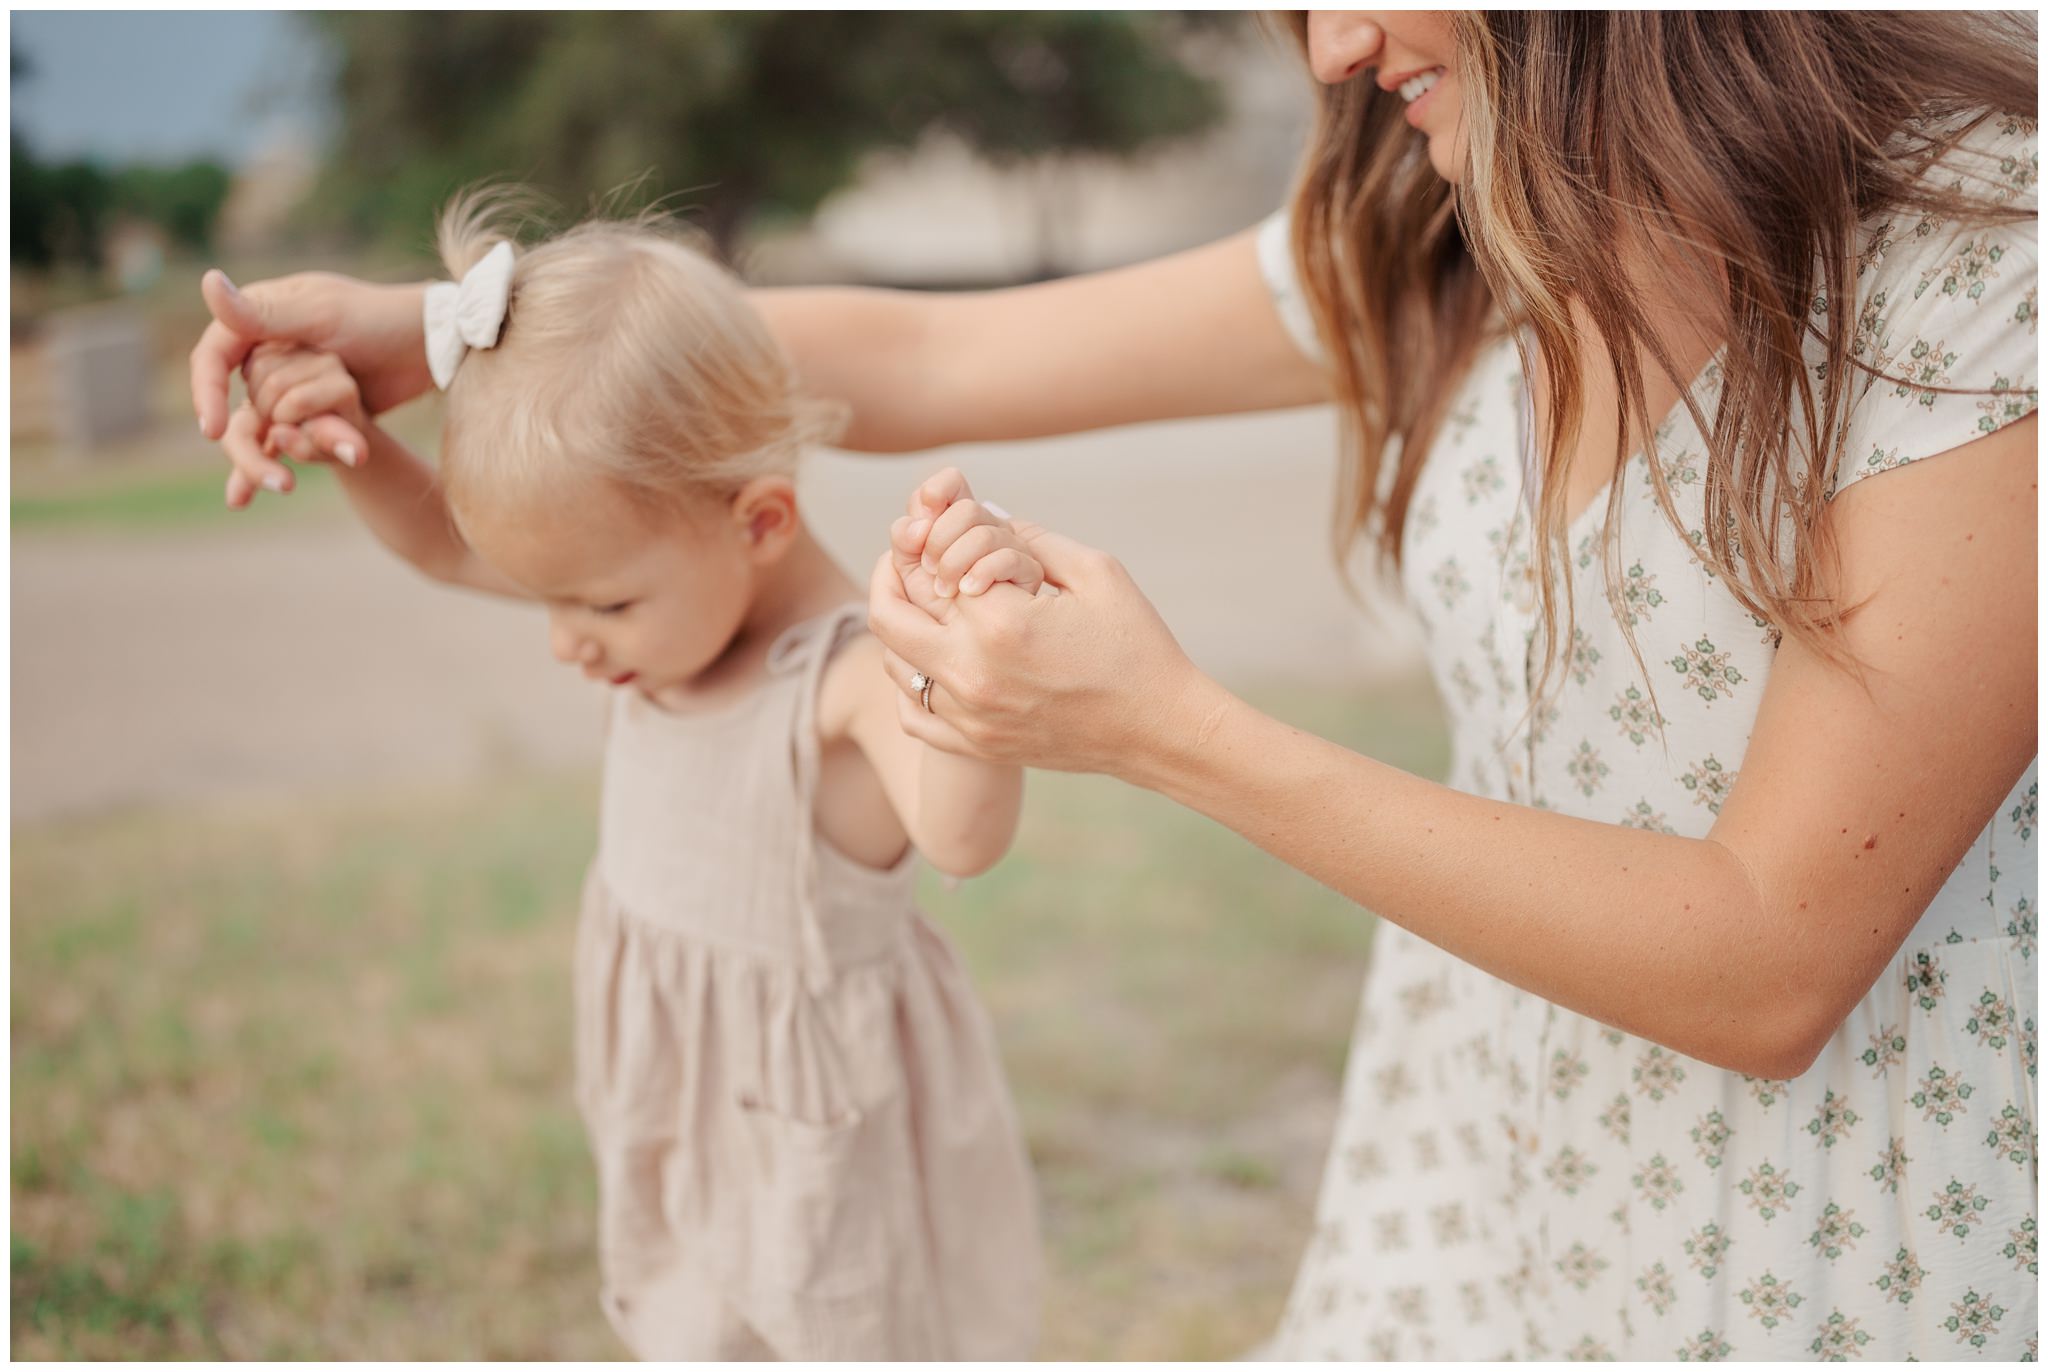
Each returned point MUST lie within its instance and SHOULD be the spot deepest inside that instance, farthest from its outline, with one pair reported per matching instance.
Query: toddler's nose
(570, 648)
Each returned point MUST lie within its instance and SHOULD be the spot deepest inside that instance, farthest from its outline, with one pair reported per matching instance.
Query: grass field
(295, 1084)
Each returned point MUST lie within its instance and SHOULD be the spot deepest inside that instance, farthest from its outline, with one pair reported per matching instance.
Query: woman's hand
(376, 331)
(1088, 680)
(302, 404)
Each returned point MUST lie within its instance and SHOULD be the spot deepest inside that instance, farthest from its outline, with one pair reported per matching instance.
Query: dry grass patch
(294, 1082)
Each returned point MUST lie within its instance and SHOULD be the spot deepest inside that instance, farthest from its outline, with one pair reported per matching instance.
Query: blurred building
(257, 217)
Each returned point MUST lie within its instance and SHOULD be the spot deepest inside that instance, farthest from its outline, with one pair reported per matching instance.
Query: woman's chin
(1446, 154)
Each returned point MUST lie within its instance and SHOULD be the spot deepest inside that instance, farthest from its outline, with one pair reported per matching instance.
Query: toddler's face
(632, 596)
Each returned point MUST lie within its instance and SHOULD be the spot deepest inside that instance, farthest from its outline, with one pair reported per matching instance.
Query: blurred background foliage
(738, 116)
(61, 210)
(745, 115)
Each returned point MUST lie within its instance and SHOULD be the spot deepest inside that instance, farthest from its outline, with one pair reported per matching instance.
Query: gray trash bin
(97, 361)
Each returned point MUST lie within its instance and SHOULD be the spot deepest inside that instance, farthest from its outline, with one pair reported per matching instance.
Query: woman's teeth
(1415, 87)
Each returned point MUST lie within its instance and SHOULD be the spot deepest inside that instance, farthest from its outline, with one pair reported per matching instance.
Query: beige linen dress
(804, 1144)
(1513, 1180)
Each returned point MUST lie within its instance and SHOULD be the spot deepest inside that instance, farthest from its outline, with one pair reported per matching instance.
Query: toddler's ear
(765, 511)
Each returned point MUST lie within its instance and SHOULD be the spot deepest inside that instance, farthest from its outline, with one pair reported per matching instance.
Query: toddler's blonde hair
(627, 355)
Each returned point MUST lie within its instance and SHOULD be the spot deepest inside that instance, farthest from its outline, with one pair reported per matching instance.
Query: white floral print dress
(1512, 1180)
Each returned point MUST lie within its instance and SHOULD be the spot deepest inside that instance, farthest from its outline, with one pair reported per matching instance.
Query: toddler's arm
(960, 812)
(394, 493)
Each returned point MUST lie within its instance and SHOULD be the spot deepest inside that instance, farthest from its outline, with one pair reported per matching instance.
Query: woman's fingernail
(917, 530)
(940, 589)
(228, 281)
(998, 511)
(970, 587)
(346, 452)
(274, 482)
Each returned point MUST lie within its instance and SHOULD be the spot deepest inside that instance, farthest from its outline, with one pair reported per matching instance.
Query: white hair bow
(469, 315)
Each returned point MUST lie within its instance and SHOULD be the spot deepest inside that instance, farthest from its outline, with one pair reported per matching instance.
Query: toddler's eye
(619, 608)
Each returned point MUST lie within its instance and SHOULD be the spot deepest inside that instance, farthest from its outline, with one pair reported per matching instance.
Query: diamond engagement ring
(923, 684)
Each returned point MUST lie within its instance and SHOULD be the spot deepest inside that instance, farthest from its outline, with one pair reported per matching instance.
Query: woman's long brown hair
(1755, 147)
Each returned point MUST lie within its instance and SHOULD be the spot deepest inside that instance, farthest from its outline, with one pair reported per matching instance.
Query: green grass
(154, 502)
(167, 477)
(293, 1082)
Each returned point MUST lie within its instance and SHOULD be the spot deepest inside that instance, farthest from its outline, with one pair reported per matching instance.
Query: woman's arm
(1191, 334)
(1746, 948)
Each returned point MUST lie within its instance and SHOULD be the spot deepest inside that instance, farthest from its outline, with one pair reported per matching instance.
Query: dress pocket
(819, 1213)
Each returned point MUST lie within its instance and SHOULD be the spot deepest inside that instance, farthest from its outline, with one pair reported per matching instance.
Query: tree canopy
(736, 115)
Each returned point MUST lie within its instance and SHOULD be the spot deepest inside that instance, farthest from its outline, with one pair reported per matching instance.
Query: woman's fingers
(906, 541)
(269, 310)
(902, 626)
(1066, 562)
(928, 726)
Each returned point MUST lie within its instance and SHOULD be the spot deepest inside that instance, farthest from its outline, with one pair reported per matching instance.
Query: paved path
(165, 667)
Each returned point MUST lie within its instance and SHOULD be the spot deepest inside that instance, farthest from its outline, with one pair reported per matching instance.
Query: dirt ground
(209, 661)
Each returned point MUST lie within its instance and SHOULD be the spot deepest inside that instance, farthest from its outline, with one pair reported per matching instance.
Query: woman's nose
(1340, 44)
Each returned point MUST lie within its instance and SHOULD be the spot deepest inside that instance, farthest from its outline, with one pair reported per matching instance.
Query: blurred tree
(739, 114)
(183, 201)
(61, 212)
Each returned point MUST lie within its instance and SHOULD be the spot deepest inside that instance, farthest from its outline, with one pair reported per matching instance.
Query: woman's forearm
(1665, 937)
(921, 369)
(866, 348)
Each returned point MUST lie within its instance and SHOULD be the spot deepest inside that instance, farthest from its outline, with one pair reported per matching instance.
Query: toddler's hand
(301, 404)
(958, 545)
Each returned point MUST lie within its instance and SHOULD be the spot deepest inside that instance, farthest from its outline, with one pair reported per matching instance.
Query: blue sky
(164, 86)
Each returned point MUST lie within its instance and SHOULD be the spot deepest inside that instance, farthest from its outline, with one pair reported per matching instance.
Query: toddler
(805, 1147)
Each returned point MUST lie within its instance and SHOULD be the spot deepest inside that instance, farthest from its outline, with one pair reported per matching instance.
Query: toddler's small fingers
(263, 363)
(1013, 565)
(268, 385)
(973, 544)
(950, 527)
(293, 443)
(325, 392)
(938, 491)
(239, 491)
